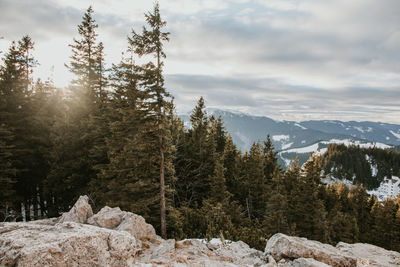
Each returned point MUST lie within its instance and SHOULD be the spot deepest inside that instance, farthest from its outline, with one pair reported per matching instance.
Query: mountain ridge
(288, 136)
(246, 129)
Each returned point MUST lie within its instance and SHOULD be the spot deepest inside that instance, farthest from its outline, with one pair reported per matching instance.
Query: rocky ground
(117, 238)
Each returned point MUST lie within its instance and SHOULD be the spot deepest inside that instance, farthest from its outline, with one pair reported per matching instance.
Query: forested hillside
(113, 134)
(367, 166)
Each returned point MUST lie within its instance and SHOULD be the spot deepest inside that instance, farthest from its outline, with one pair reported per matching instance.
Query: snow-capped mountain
(299, 138)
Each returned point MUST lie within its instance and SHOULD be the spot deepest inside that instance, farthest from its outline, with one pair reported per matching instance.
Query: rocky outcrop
(79, 213)
(370, 255)
(65, 244)
(117, 238)
(114, 218)
(196, 252)
(299, 251)
(283, 246)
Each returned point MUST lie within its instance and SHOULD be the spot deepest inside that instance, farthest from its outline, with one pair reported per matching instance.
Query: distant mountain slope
(246, 129)
(286, 156)
(366, 130)
(368, 166)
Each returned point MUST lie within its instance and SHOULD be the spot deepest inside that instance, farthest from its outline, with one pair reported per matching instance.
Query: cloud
(280, 100)
(285, 58)
(41, 19)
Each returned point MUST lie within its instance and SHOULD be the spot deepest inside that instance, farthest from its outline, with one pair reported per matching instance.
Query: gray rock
(107, 217)
(282, 246)
(65, 244)
(79, 213)
(136, 226)
(370, 255)
(308, 262)
(119, 238)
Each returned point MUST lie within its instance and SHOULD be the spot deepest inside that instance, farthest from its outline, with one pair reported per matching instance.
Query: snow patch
(281, 137)
(287, 161)
(360, 129)
(348, 142)
(286, 146)
(301, 126)
(306, 149)
(395, 134)
(389, 188)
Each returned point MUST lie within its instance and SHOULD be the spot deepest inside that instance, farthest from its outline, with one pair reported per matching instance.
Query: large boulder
(281, 246)
(79, 213)
(370, 255)
(303, 252)
(114, 218)
(65, 244)
(136, 226)
(107, 217)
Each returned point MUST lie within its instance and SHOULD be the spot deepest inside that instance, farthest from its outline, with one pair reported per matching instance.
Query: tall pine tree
(150, 43)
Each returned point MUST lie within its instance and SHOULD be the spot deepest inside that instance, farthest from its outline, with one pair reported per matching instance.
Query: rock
(51, 221)
(65, 244)
(117, 238)
(165, 249)
(282, 246)
(136, 226)
(79, 213)
(107, 217)
(271, 261)
(241, 254)
(370, 255)
(308, 262)
(197, 252)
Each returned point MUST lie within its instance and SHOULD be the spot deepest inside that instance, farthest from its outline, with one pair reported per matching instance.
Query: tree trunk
(162, 191)
(160, 138)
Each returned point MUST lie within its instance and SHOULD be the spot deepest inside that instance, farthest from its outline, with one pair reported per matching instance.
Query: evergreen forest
(114, 135)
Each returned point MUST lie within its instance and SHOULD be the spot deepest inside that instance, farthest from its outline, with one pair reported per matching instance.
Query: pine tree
(359, 199)
(150, 43)
(255, 184)
(196, 160)
(307, 208)
(384, 229)
(275, 220)
(218, 190)
(271, 162)
(26, 45)
(232, 166)
(78, 136)
(85, 56)
(17, 120)
(7, 174)
(342, 222)
(119, 182)
(44, 101)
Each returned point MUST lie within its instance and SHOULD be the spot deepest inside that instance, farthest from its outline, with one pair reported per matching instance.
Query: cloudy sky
(286, 59)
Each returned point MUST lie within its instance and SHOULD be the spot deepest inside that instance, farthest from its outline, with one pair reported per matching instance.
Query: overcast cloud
(287, 59)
